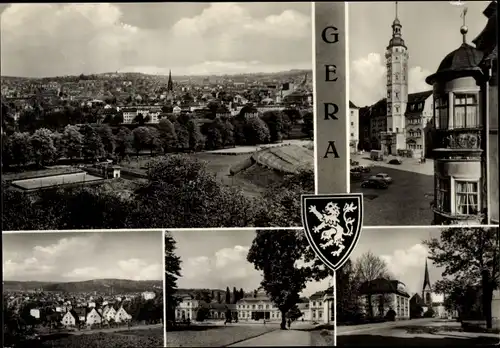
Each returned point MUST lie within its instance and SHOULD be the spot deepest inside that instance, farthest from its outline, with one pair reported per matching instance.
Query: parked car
(356, 175)
(354, 163)
(395, 161)
(365, 168)
(374, 182)
(385, 177)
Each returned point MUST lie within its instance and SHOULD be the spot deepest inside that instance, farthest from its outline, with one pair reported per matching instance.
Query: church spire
(427, 282)
(170, 85)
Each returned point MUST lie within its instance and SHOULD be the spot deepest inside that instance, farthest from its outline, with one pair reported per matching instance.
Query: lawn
(55, 180)
(406, 201)
(128, 339)
(214, 336)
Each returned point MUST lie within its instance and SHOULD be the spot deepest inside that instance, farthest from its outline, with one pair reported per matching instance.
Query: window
(397, 77)
(467, 197)
(443, 194)
(352, 123)
(397, 108)
(441, 112)
(466, 113)
(352, 134)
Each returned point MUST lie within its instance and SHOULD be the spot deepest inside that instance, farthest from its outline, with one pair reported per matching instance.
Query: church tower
(170, 87)
(397, 89)
(426, 289)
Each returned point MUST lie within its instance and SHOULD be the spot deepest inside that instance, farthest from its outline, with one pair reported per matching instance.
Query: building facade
(187, 307)
(381, 296)
(460, 183)
(256, 307)
(486, 42)
(419, 112)
(353, 127)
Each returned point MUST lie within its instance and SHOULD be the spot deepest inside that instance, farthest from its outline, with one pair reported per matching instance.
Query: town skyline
(82, 256)
(370, 31)
(152, 38)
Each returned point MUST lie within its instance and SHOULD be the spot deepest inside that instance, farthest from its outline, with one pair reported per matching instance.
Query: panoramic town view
(83, 289)
(207, 139)
(418, 156)
(420, 287)
(226, 288)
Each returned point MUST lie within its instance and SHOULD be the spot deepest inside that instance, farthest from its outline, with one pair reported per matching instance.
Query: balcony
(459, 139)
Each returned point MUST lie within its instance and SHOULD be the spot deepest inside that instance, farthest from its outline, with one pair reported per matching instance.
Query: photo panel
(421, 286)
(156, 115)
(424, 112)
(83, 289)
(236, 288)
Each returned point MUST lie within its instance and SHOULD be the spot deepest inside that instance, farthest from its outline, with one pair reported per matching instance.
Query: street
(286, 338)
(116, 329)
(416, 332)
(406, 201)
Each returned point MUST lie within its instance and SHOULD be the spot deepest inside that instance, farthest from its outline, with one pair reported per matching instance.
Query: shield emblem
(332, 225)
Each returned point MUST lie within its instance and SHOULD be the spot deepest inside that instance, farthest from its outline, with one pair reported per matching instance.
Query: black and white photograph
(424, 112)
(156, 115)
(248, 288)
(427, 286)
(83, 289)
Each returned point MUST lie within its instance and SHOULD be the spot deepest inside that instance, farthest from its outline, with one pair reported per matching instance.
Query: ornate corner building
(462, 139)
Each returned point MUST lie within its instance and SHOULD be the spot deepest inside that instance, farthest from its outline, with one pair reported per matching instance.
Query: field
(214, 336)
(55, 180)
(128, 339)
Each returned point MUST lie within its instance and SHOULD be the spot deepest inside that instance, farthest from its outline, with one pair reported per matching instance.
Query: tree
(228, 295)
(93, 148)
(347, 286)
(59, 144)
(139, 119)
(107, 138)
(281, 204)
(123, 139)
(369, 267)
(182, 136)
(274, 121)
(196, 139)
(155, 144)
(44, 150)
(172, 273)
(141, 139)
(242, 294)
(294, 313)
(256, 131)
(168, 135)
(19, 148)
(117, 119)
(470, 257)
(73, 141)
(308, 125)
(219, 300)
(186, 194)
(276, 254)
(235, 295)
(213, 136)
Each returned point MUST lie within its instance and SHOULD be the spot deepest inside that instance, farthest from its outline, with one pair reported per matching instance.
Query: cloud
(225, 267)
(403, 264)
(133, 269)
(83, 257)
(59, 39)
(367, 79)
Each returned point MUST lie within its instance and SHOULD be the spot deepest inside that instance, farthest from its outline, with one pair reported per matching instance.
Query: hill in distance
(137, 75)
(99, 285)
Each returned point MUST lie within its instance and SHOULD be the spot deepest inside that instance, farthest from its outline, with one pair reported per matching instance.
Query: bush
(429, 314)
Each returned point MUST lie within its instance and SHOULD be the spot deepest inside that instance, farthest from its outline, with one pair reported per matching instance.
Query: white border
(348, 109)
(164, 292)
(208, 229)
(315, 98)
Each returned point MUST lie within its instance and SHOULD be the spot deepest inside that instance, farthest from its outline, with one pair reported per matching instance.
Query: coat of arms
(332, 224)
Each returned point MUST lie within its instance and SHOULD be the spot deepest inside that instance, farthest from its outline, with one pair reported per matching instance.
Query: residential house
(419, 113)
(122, 315)
(69, 319)
(93, 317)
(384, 295)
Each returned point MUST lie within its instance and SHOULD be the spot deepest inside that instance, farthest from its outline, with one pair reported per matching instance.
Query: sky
(430, 29)
(403, 251)
(189, 38)
(216, 259)
(67, 257)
